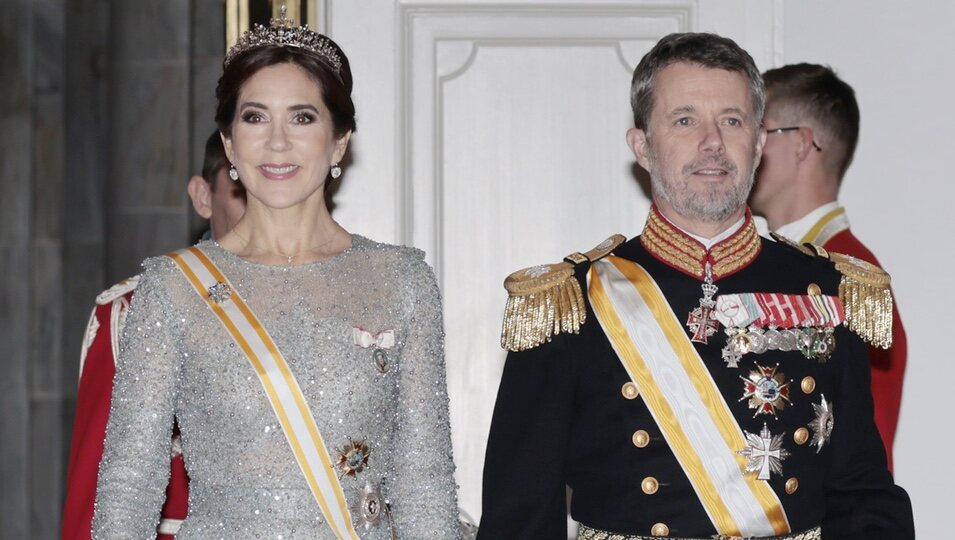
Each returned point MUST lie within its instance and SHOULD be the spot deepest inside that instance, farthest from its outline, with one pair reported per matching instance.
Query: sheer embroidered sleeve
(135, 468)
(424, 492)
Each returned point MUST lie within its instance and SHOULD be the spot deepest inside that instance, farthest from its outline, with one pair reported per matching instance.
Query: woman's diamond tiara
(282, 32)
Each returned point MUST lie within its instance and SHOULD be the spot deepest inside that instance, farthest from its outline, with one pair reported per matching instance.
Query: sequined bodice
(326, 318)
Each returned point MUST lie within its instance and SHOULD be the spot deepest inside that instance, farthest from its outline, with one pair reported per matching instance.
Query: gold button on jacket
(801, 436)
(792, 485)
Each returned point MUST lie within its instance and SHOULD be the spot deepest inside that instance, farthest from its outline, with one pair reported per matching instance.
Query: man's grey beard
(712, 206)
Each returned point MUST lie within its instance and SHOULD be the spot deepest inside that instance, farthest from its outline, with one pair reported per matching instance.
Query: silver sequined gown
(178, 361)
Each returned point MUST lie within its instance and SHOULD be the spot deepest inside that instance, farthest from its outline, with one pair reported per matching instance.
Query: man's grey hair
(707, 50)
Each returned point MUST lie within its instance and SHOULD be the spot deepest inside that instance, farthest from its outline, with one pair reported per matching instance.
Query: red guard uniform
(828, 226)
(100, 348)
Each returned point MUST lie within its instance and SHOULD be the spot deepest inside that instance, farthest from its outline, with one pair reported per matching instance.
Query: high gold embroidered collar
(674, 247)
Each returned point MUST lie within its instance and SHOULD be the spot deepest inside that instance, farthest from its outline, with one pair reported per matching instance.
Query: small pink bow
(365, 339)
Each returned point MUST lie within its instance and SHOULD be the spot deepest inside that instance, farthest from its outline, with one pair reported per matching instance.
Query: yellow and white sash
(683, 399)
(279, 384)
(829, 225)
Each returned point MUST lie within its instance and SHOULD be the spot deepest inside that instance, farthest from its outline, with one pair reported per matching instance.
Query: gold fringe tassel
(540, 309)
(867, 299)
(868, 311)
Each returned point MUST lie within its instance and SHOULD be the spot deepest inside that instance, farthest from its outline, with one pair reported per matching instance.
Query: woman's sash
(277, 380)
(683, 399)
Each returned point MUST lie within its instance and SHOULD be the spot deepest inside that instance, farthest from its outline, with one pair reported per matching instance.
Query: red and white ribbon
(779, 310)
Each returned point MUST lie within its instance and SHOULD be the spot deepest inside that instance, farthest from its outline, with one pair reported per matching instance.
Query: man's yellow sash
(279, 384)
(683, 399)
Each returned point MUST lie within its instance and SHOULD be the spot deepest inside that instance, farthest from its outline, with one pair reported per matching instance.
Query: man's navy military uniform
(795, 417)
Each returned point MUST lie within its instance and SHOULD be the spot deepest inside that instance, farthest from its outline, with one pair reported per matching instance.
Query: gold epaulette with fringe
(546, 300)
(867, 299)
(864, 292)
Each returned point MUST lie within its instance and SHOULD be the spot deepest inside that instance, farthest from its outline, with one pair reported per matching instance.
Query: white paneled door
(491, 135)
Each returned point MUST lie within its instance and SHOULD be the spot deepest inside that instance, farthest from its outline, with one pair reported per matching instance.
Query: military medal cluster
(760, 322)
(755, 323)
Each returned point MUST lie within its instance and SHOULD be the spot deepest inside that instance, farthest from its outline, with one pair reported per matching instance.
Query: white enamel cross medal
(764, 453)
(702, 320)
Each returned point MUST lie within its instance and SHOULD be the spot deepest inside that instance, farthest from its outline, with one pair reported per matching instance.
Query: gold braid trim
(671, 254)
(547, 300)
(739, 240)
(661, 226)
(665, 242)
(738, 252)
(669, 244)
(867, 299)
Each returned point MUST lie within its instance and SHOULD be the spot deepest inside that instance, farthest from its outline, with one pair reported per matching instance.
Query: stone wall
(105, 109)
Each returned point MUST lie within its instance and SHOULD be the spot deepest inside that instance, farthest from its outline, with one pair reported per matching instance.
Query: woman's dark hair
(336, 86)
(214, 159)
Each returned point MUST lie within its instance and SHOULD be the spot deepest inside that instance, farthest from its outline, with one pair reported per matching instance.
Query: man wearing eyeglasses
(812, 126)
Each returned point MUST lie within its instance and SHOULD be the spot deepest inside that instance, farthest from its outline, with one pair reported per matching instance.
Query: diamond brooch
(219, 292)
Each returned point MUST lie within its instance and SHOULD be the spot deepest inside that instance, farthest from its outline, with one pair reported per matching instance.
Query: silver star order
(765, 453)
(822, 424)
(369, 506)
